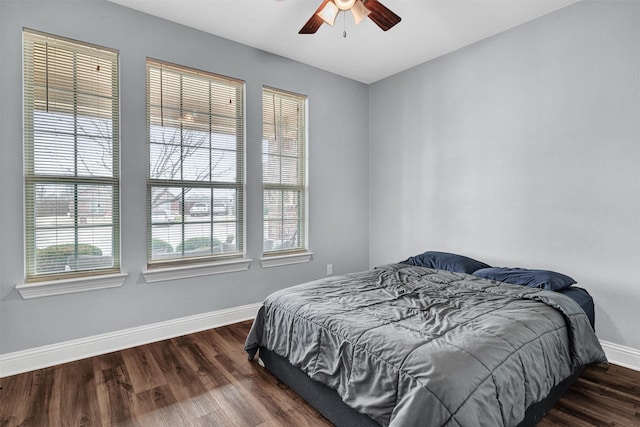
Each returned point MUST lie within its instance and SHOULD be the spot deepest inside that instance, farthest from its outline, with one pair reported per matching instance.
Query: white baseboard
(621, 355)
(68, 351)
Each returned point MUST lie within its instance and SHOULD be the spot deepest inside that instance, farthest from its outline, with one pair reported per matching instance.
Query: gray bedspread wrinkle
(414, 346)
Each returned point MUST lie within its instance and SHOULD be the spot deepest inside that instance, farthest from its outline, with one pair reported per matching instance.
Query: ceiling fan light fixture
(359, 11)
(345, 4)
(329, 13)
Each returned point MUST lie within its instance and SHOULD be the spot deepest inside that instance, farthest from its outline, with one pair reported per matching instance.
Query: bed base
(327, 401)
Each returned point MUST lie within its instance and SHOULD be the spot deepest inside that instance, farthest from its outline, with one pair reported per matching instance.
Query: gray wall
(521, 150)
(338, 205)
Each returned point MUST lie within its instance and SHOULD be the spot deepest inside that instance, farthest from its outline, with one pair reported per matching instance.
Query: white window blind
(284, 171)
(71, 131)
(195, 187)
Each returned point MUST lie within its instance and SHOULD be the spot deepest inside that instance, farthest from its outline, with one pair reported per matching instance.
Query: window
(284, 172)
(195, 187)
(71, 132)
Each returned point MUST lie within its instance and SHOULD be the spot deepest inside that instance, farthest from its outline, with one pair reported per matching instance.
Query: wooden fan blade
(381, 15)
(312, 25)
(314, 22)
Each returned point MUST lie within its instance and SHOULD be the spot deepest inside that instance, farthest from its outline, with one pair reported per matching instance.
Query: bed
(424, 343)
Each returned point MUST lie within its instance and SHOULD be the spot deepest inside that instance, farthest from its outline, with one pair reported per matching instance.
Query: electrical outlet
(329, 269)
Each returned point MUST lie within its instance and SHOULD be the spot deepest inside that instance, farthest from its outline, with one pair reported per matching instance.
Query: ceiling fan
(329, 9)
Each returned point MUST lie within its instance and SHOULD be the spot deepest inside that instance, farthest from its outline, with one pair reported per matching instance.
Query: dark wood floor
(205, 379)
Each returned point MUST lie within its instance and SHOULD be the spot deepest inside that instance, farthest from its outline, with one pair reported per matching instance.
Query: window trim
(62, 282)
(161, 274)
(297, 257)
(71, 285)
(302, 253)
(195, 265)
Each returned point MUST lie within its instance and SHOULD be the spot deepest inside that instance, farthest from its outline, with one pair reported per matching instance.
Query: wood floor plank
(40, 396)
(227, 352)
(559, 417)
(79, 405)
(218, 418)
(13, 391)
(175, 370)
(115, 395)
(114, 387)
(204, 379)
(608, 399)
(159, 407)
(109, 360)
(52, 412)
(596, 400)
(144, 372)
(615, 378)
(191, 351)
(185, 384)
(217, 378)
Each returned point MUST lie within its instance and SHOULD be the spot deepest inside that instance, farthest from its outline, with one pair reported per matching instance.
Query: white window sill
(279, 260)
(69, 286)
(195, 270)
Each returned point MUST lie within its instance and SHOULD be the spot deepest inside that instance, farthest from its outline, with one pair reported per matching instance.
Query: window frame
(92, 276)
(212, 263)
(300, 253)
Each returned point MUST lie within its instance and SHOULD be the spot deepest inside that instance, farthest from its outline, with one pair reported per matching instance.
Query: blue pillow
(446, 261)
(544, 279)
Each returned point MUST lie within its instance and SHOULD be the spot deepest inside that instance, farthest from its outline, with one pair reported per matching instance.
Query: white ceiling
(429, 28)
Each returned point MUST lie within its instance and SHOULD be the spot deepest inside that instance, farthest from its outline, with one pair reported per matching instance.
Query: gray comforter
(412, 346)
